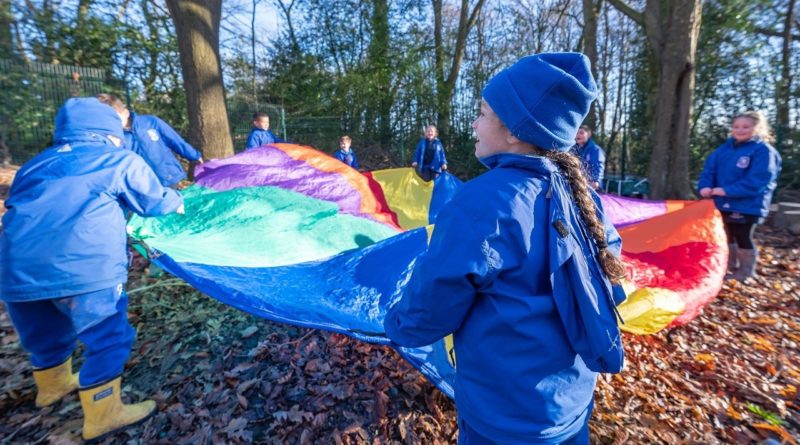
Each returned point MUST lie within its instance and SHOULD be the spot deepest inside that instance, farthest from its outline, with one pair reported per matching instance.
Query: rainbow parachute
(288, 233)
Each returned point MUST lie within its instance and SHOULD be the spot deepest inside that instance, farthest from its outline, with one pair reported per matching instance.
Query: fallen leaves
(220, 376)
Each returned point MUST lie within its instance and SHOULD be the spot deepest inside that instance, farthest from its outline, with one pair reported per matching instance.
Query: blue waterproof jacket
(259, 137)
(593, 158)
(748, 172)
(348, 157)
(154, 140)
(511, 272)
(64, 231)
(439, 158)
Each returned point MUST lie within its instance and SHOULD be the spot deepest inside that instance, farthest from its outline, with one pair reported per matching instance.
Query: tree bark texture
(446, 82)
(784, 87)
(590, 11)
(197, 27)
(672, 28)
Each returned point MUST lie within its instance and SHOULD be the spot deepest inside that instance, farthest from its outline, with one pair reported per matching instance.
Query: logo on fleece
(153, 134)
(743, 162)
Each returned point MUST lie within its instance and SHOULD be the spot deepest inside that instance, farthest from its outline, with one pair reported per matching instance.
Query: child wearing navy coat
(63, 260)
(522, 267)
(345, 152)
(429, 158)
(740, 175)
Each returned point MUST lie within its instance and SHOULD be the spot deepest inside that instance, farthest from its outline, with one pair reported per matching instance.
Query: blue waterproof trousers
(49, 330)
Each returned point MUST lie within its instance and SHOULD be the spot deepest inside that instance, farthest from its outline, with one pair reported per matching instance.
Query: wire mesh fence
(30, 95)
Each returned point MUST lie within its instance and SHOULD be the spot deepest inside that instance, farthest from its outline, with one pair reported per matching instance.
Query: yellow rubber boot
(54, 383)
(104, 413)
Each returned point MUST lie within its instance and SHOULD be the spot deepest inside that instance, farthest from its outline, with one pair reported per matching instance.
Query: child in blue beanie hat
(63, 261)
(522, 267)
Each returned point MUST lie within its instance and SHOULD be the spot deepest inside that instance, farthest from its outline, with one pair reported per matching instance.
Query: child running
(522, 267)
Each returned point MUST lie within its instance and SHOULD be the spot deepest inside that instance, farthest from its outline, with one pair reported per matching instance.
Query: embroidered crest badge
(743, 162)
(153, 134)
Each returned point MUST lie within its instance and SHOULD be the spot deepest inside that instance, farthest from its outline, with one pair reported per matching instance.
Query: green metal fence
(30, 95)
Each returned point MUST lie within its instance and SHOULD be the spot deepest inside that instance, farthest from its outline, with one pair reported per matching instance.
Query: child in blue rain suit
(429, 158)
(740, 175)
(63, 262)
(345, 153)
(592, 156)
(260, 133)
(522, 268)
(155, 141)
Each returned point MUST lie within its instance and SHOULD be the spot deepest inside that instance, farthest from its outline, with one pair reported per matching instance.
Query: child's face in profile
(430, 133)
(344, 145)
(262, 123)
(492, 136)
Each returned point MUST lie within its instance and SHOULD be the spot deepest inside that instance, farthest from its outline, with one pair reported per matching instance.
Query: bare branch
(626, 9)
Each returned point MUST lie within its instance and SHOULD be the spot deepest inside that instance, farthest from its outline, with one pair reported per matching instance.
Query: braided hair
(571, 166)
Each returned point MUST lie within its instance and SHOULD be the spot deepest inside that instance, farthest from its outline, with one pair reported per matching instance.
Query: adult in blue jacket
(63, 260)
(155, 141)
(592, 156)
(345, 152)
(260, 133)
(740, 175)
(429, 158)
(522, 267)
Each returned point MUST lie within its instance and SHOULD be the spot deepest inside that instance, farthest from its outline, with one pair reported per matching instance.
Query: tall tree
(378, 68)
(591, 9)
(672, 28)
(446, 77)
(6, 24)
(197, 27)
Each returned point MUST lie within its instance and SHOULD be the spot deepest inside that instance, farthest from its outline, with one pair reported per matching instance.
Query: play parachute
(288, 233)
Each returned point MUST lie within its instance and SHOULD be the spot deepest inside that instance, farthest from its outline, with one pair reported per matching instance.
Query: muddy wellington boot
(54, 383)
(105, 414)
(733, 258)
(747, 264)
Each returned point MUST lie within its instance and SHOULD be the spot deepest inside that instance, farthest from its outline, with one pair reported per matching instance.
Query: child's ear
(510, 138)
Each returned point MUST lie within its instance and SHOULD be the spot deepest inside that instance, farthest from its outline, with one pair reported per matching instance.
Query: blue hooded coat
(593, 158)
(511, 272)
(438, 160)
(154, 140)
(343, 156)
(259, 137)
(64, 231)
(748, 172)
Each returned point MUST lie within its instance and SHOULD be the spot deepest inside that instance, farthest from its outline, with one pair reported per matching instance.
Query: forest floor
(223, 376)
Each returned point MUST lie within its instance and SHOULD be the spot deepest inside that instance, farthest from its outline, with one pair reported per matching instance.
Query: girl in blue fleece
(522, 267)
(63, 260)
(429, 158)
(740, 175)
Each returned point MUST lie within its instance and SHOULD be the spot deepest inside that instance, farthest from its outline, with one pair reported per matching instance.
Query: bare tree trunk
(197, 26)
(6, 25)
(445, 85)
(784, 87)
(672, 28)
(590, 11)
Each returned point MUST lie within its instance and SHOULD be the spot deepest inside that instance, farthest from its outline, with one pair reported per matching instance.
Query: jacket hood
(86, 118)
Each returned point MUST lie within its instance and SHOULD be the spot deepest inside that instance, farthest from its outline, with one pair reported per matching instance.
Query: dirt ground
(223, 376)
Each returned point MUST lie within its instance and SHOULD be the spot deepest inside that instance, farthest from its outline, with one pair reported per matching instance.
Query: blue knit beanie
(543, 99)
(81, 117)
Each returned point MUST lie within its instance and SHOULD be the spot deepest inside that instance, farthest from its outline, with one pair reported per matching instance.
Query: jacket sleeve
(443, 284)
(444, 158)
(599, 164)
(707, 177)
(275, 138)
(140, 190)
(175, 142)
(764, 169)
(418, 153)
